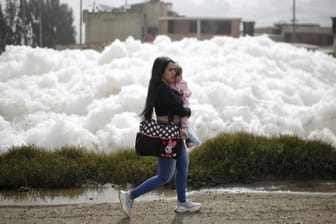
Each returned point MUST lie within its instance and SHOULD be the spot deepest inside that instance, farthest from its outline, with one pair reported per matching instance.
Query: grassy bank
(244, 157)
(225, 159)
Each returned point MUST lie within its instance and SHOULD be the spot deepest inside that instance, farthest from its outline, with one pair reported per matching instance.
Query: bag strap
(170, 118)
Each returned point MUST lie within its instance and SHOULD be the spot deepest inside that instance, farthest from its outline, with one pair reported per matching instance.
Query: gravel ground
(216, 208)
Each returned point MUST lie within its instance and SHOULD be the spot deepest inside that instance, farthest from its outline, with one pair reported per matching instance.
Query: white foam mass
(85, 98)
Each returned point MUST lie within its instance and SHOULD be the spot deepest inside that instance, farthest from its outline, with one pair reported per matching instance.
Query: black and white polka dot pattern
(155, 129)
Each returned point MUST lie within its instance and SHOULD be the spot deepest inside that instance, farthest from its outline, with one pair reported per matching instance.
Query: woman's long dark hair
(159, 67)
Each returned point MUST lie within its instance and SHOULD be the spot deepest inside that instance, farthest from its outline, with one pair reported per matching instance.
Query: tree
(24, 22)
(35, 7)
(57, 23)
(13, 21)
(66, 30)
(43, 23)
(4, 31)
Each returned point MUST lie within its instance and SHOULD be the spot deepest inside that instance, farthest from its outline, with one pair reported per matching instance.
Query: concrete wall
(108, 26)
(235, 27)
(153, 11)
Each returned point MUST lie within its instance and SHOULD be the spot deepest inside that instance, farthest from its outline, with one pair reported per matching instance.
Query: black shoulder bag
(159, 139)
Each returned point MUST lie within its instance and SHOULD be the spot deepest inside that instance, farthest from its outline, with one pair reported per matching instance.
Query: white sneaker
(126, 202)
(187, 207)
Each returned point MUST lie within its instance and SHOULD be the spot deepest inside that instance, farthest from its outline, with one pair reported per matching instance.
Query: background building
(312, 34)
(142, 21)
(145, 20)
(202, 28)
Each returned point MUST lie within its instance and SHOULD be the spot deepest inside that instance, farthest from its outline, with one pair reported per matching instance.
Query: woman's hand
(181, 92)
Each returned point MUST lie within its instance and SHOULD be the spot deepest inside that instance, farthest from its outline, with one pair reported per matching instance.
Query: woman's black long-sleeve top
(169, 102)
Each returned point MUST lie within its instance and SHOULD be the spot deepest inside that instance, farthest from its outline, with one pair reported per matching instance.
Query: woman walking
(165, 101)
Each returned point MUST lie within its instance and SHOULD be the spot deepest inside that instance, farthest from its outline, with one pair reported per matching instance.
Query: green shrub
(22, 165)
(71, 166)
(227, 158)
(243, 157)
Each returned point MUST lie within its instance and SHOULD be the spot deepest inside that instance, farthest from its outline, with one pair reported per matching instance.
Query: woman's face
(169, 74)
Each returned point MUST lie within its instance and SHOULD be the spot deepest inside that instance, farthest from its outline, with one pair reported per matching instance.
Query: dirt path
(216, 208)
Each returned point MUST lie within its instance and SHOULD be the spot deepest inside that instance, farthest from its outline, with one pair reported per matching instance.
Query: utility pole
(80, 21)
(294, 20)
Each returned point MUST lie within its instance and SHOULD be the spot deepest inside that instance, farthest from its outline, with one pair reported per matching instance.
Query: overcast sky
(263, 12)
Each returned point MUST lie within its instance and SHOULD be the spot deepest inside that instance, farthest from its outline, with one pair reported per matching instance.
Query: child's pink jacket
(183, 85)
(178, 86)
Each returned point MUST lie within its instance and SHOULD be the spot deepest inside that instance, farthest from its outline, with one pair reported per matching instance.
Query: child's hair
(178, 69)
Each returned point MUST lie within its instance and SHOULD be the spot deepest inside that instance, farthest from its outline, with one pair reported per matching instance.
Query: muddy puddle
(109, 193)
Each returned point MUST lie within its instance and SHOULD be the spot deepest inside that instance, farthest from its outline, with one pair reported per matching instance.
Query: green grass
(227, 158)
(70, 167)
(243, 157)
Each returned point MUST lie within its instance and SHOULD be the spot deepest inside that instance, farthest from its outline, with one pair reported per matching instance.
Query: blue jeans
(166, 170)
